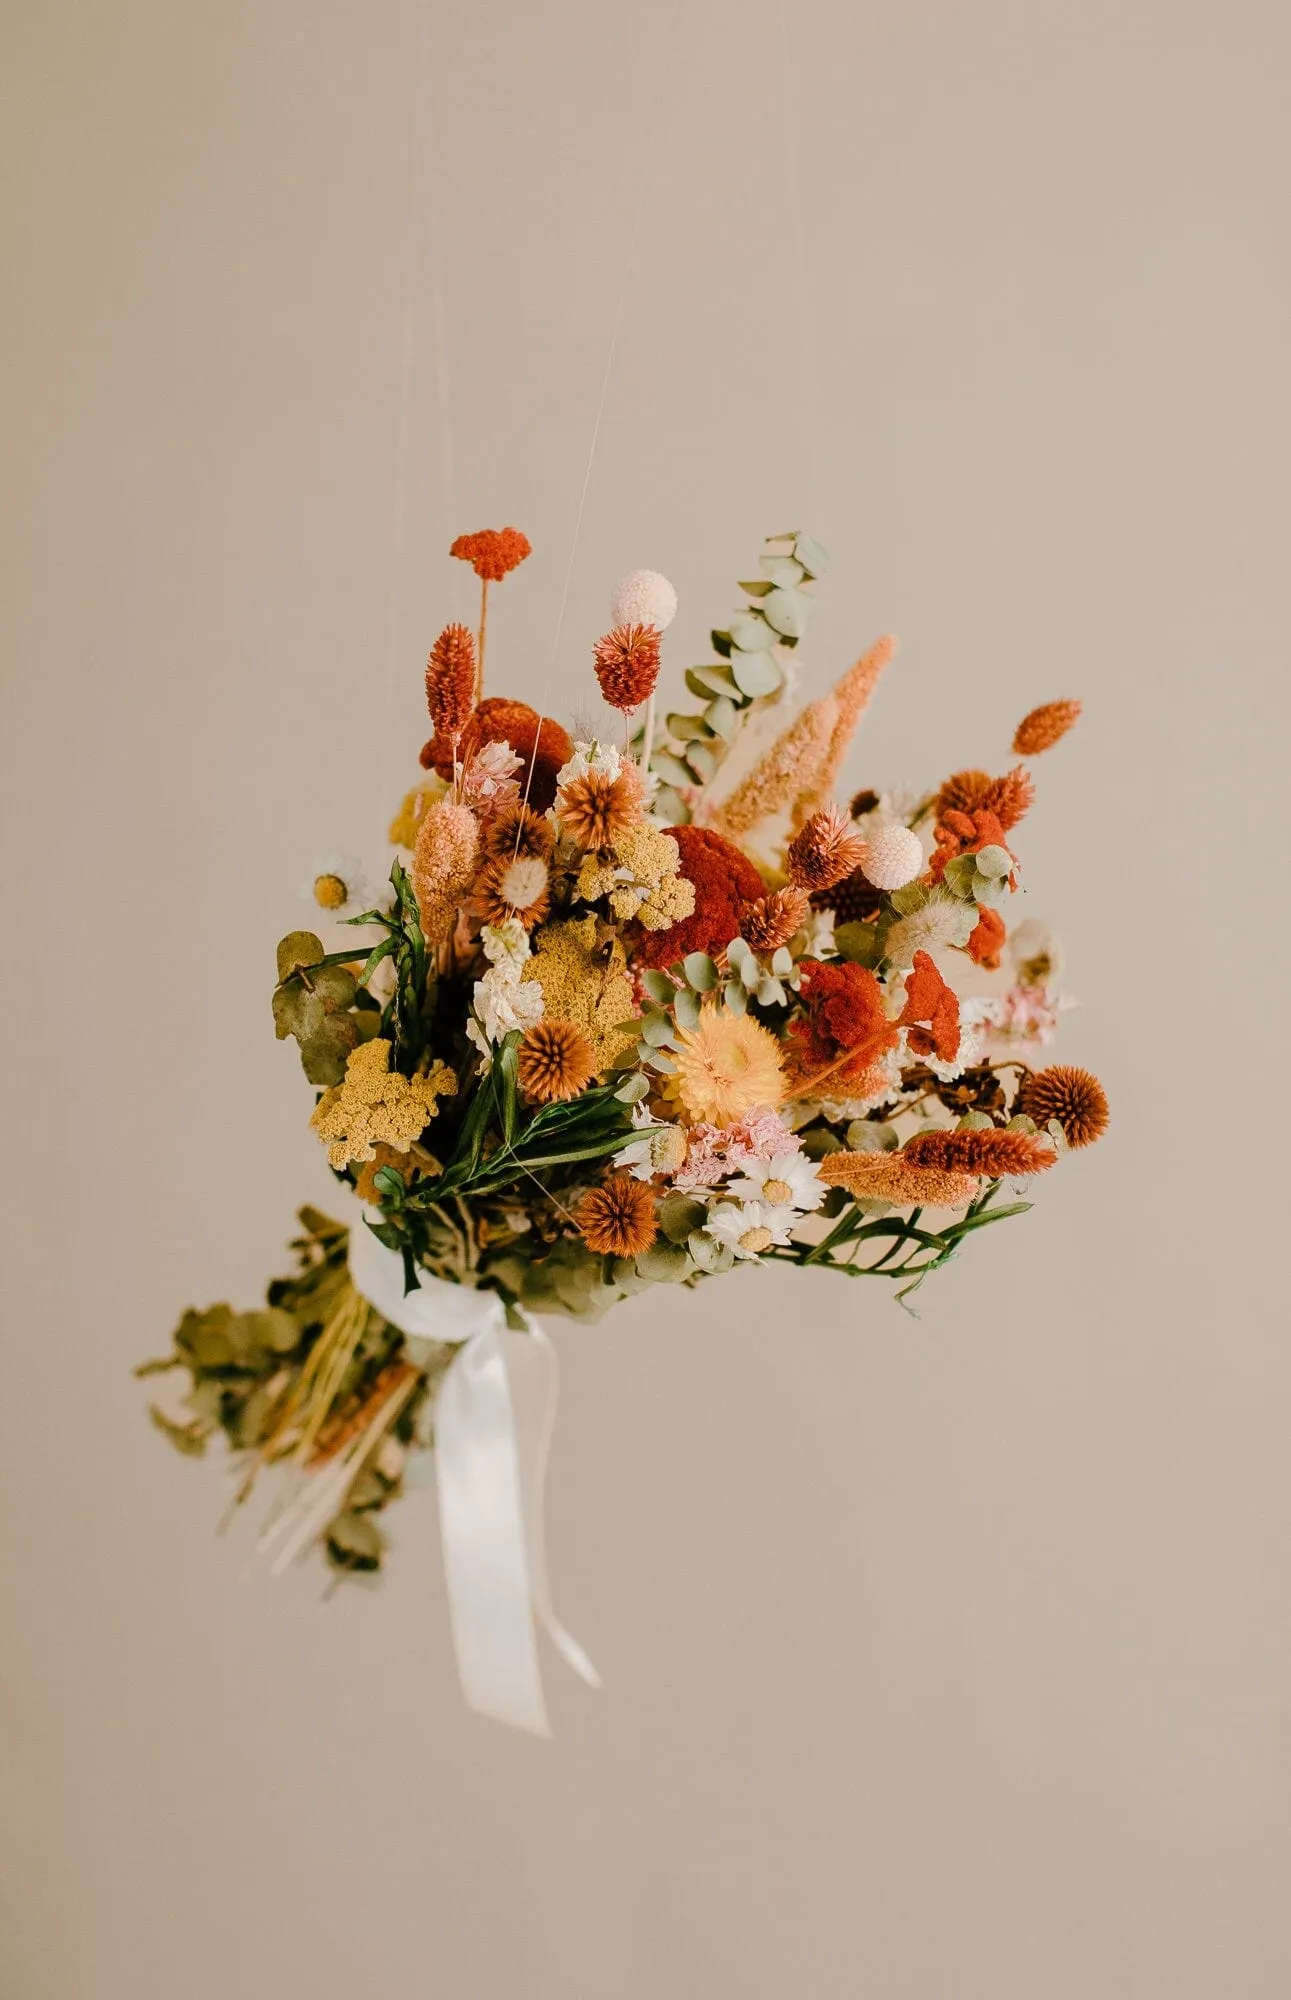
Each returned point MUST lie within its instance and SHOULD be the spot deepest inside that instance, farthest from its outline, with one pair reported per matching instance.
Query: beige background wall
(944, 1660)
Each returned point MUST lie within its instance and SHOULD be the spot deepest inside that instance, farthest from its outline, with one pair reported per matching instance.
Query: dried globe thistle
(772, 920)
(627, 665)
(450, 680)
(893, 1177)
(556, 1061)
(964, 791)
(827, 849)
(443, 866)
(617, 1218)
(596, 809)
(514, 885)
(1074, 1097)
(1044, 727)
(516, 830)
(967, 1152)
(492, 552)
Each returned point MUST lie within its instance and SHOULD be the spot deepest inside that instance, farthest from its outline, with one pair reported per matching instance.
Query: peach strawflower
(627, 665)
(725, 1068)
(893, 1177)
(1074, 1097)
(450, 680)
(991, 1152)
(492, 552)
(617, 1219)
(1044, 727)
(772, 920)
(555, 1061)
(827, 849)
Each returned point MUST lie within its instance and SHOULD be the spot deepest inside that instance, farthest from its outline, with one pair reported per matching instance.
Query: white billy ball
(893, 857)
(644, 598)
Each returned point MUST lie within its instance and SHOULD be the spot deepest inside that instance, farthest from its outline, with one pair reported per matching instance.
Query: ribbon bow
(495, 1411)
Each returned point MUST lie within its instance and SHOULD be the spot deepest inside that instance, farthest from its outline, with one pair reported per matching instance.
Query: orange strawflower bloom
(772, 920)
(492, 552)
(988, 938)
(1074, 1097)
(617, 1218)
(996, 1153)
(450, 680)
(555, 1061)
(825, 851)
(627, 665)
(1044, 727)
(928, 1000)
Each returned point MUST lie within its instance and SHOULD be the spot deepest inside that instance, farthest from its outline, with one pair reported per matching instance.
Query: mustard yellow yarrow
(639, 878)
(407, 821)
(584, 983)
(376, 1105)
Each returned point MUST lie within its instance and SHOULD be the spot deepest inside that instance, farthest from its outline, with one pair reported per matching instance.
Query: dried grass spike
(450, 680)
(1044, 727)
(995, 1152)
(443, 866)
(893, 1177)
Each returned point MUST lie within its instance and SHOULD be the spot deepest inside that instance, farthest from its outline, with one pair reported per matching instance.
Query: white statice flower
(749, 1227)
(661, 1149)
(503, 1000)
(506, 943)
(820, 934)
(975, 1017)
(337, 886)
(590, 756)
(1036, 954)
(786, 1180)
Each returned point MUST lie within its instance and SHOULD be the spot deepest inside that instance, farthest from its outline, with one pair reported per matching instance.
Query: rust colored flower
(931, 1011)
(827, 849)
(964, 792)
(995, 1152)
(596, 810)
(965, 833)
(844, 1027)
(772, 920)
(542, 743)
(617, 1218)
(514, 885)
(627, 665)
(1044, 727)
(892, 1177)
(725, 881)
(517, 830)
(1011, 797)
(492, 552)
(987, 939)
(555, 1061)
(1074, 1097)
(450, 680)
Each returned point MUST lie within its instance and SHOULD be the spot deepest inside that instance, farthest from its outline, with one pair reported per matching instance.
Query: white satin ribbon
(494, 1414)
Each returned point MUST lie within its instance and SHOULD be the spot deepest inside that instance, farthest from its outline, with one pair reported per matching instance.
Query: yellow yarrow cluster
(582, 983)
(407, 821)
(376, 1105)
(655, 894)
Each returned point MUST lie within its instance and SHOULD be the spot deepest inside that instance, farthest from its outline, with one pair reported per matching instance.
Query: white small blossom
(749, 1227)
(820, 934)
(506, 943)
(786, 1180)
(337, 885)
(503, 1001)
(591, 756)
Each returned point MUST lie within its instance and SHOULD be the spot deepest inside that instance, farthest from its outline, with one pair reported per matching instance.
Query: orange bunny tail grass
(627, 665)
(617, 1218)
(1074, 1097)
(555, 1062)
(986, 1152)
(443, 866)
(893, 1177)
(827, 848)
(772, 920)
(1044, 727)
(450, 680)
(852, 694)
(492, 552)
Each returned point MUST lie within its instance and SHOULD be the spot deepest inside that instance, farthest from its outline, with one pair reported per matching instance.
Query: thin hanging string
(804, 329)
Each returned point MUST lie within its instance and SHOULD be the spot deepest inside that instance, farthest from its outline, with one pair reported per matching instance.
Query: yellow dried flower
(584, 984)
(406, 823)
(639, 875)
(443, 866)
(374, 1104)
(726, 1067)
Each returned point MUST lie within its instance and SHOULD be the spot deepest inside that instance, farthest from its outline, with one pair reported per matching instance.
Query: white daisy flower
(338, 886)
(749, 1227)
(786, 1180)
(659, 1150)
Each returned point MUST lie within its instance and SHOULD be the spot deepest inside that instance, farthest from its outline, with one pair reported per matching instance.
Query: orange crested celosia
(597, 809)
(492, 552)
(443, 866)
(1044, 727)
(965, 833)
(517, 830)
(824, 850)
(617, 1219)
(988, 937)
(450, 680)
(772, 920)
(892, 1177)
(993, 1152)
(627, 665)
(513, 885)
(555, 1061)
(725, 882)
(931, 1011)
(540, 742)
(1074, 1097)
(843, 1031)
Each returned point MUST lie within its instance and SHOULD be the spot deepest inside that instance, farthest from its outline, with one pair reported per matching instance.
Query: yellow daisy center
(330, 892)
(778, 1192)
(755, 1241)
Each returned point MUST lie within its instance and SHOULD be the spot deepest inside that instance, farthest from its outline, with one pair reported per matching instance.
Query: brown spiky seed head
(450, 680)
(826, 850)
(1074, 1097)
(1044, 727)
(772, 920)
(517, 830)
(966, 1152)
(596, 809)
(617, 1219)
(627, 665)
(963, 791)
(555, 1061)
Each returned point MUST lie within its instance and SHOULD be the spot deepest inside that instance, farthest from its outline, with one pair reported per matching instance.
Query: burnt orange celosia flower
(595, 810)
(844, 1027)
(827, 849)
(617, 1219)
(517, 830)
(1074, 1097)
(987, 939)
(542, 744)
(725, 881)
(555, 1061)
(772, 920)
(995, 1152)
(450, 680)
(965, 833)
(1044, 727)
(492, 552)
(931, 1011)
(892, 1177)
(627, 665)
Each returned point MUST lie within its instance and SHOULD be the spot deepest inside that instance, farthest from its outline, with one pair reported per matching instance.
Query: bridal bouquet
(649, 1008)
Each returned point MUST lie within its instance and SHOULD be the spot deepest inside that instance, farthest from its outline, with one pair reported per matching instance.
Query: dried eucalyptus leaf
(682, 728)
(189, 1438)
(756, 675)
(678, 1214)
(335, 985)
(782, 571)
(788, 613)
(705, 681)
(813, 558)
(686, 1009)
(324, 1055)
(664, 1263)
(296, 1012)
(722, 717)
(859, 943)
(701, 761)
(658, 985)
(871, 1135)
(760, 587)
(700, 971)
(296, 949)
(671, 769)
(752, 634)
